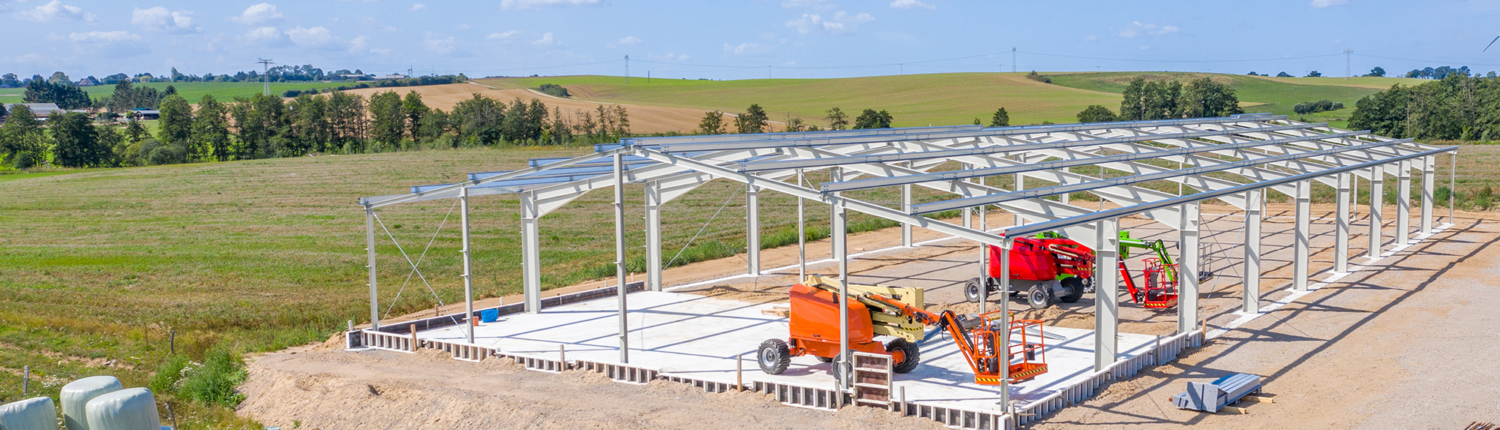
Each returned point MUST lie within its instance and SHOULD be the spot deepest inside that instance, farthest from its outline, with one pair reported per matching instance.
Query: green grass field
(193, 91)
(946, 99)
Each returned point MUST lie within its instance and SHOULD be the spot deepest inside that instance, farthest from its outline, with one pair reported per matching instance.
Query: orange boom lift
(815, 331)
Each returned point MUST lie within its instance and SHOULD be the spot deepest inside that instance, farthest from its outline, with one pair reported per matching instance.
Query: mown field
(940, 99)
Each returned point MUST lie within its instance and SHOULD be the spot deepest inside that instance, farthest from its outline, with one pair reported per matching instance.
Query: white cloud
(910, 4)
(627, 41)
(746, 48)
(1138, 29)
(1327, 3)
(55, 11)
(108, 43)
(840, 23)
(546, 40)
(267, 36)
(505, 35)
(373, 24)
(441, 46)
(263, 13)
(538, 4)
(160, 19)
(316, 38)
(417, 7)
(668, 57)
(360, 43)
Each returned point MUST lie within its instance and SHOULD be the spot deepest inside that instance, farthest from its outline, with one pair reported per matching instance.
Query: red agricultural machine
(814, 330)
(1048, 268)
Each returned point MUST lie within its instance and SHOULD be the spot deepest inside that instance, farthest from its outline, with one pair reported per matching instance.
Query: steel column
(968, 217)
(1341, 240)
(1251, 277)
(906, 207)
(1428, 175)
(370, 250)
(1300, 248)
(1377, 204)
(620, 256)
(840, 224)
(653, 236)
(463, 203)
(752, 229)
(1106, 294)
(531, 260)
(836, 241)
(1004, 321)
(1403, 203)
(1187, 270)
(802, 235)
(1020, 185)
(1452, 184)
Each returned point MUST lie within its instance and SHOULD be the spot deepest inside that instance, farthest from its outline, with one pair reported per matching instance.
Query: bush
(168, 374)
(554, 90)
(213, 382)
(1317, 106)
(1039, 78)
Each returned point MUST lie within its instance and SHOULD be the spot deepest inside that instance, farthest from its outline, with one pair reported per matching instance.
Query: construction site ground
(1375, 349)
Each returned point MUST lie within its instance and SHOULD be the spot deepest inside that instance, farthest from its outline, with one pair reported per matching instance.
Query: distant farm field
(194, 91)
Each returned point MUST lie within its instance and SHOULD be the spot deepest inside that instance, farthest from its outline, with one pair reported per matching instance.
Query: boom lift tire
(1039, 297)
(774, 356)
(1074, 285)
(971, 290)
(907, 348)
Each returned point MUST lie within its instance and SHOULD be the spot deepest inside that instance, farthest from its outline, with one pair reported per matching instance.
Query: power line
(266, 77)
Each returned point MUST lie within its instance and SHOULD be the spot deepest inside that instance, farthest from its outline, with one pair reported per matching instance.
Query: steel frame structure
(1249, 155)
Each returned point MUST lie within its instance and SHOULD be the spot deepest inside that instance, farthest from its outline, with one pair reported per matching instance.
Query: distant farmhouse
(41, 110)
(86, 82)
(145, 114)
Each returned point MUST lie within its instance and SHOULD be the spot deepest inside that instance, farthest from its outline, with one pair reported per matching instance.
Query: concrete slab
(700, 337)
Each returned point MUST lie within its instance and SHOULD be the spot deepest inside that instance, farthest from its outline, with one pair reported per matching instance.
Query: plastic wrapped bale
(29, 414)
(128, 409)
(76, 395)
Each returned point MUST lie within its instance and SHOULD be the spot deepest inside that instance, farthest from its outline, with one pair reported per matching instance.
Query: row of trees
(1200, 98)
(755, 120)
(1317, 106)
(269, 127)
(1457, 107)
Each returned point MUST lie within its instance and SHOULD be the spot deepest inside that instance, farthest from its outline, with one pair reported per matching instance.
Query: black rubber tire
(913, 355)
(971, 290)
(824, 359)
(1088, 284)
(1038, 297)
(774, 356)
(1074, 285)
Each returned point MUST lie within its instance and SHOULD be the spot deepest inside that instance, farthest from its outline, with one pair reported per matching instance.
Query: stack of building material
(1219, 394)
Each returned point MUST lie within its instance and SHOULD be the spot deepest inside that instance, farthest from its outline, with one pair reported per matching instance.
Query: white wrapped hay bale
(30, 414)
(128, 409)
(76, 396)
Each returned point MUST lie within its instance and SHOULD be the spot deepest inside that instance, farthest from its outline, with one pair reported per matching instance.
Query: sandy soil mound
(341, 390)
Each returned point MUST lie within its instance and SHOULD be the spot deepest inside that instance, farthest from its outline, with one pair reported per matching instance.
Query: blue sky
(739, 39)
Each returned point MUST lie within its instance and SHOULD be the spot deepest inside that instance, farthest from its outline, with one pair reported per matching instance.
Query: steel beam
(802, 233)
(620, 256)
(370, 251)
(1341, 239)
(1299, 258)
(1251, 279)
(752, 230)
(1428, 177)
(653, 236)
(1106, 294)
(531, 260)
(1377, 204)
(905, 207)
(1403, 203)
(463, 203)
(1187, 269)
(1004, 316)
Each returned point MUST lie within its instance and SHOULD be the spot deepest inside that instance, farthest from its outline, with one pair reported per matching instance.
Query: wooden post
(903, 400)
(562, 355)
(172, 342)
(413, 337)
(25, 380)
(739, 372)
(172, 416)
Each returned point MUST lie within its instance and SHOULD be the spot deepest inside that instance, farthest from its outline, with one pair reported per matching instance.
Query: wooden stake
(413, 338)
(562, 355)
(739, 372)
(1234, 410)
(25, 380)
(172, 416)
(172, 343)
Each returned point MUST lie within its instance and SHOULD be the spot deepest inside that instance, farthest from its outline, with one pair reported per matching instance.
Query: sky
(741, 39)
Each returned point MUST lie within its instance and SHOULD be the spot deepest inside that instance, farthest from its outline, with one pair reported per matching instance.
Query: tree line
(269, 127)
(1155, 100)
(1457, 107)
(756, 120)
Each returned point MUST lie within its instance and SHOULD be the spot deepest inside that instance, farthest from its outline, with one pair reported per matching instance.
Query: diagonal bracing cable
(419, 259)
(413, 265)
(705, 227)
